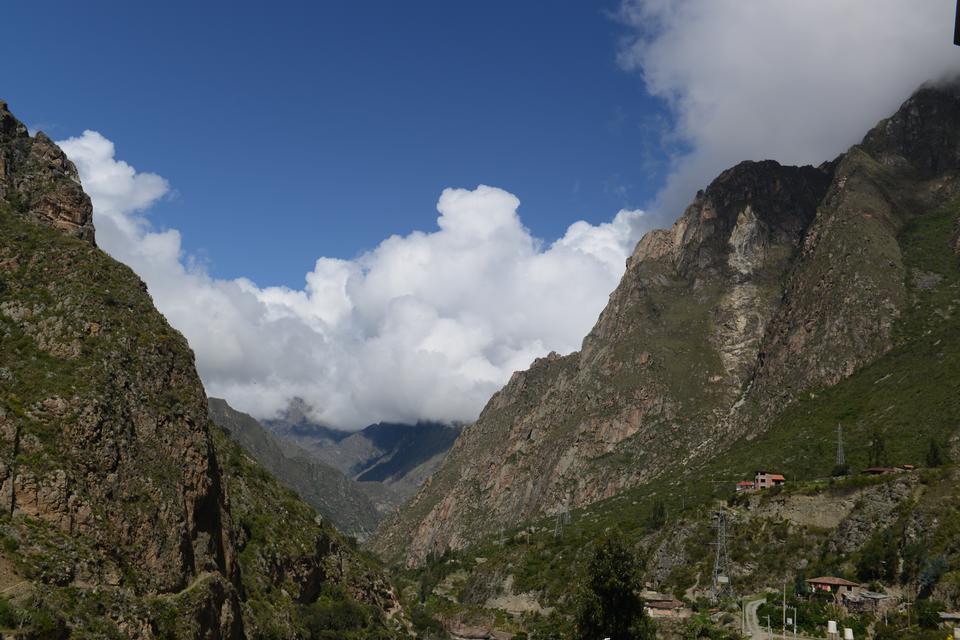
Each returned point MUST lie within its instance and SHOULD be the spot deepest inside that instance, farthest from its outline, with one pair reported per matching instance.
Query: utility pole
(841, 457)
(783, 627)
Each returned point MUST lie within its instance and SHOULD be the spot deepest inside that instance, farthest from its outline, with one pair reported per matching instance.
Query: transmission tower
(841, 458)
(721, 580)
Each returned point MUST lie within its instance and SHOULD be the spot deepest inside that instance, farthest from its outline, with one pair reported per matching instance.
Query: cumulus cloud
(424, 326)
(797, 82)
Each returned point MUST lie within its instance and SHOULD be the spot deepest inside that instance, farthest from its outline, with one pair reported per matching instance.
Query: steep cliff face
(775, 280)
(116, 518)
(107, 473)
(848, 287)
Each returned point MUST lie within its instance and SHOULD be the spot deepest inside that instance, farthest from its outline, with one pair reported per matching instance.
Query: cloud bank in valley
(797, 82)
(424, 326)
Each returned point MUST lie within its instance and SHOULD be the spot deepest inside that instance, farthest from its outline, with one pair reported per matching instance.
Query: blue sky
(291, 131)
(272, 144)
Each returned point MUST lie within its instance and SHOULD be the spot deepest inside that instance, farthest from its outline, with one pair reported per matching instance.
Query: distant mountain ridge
(339, 499)
(399, 456)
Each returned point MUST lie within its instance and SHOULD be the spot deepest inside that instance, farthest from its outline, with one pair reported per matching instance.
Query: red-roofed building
(765, 480)
(746, 485)
(836, 586)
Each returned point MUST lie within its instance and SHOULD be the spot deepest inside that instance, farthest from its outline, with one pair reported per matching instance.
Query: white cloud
(424, 326)
(797, 82)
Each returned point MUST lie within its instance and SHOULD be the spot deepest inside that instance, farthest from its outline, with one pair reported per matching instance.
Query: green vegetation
(812, 613)
(97, 389)
(277, 529)
(609, 604)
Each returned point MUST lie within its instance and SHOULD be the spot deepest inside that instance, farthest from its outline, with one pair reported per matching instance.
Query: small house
(869, 601)
(745, 485)
(838, 587)
(663, 606)
(766, 480)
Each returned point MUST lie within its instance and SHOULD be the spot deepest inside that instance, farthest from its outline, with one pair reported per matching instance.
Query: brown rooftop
(840, 582)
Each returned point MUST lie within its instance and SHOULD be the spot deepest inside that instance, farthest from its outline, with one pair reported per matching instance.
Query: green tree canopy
(935, 457)
(609, 605)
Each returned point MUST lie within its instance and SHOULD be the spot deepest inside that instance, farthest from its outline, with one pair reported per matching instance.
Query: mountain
(340, 500)
(776, 285)
(391, 460)
(123, 512)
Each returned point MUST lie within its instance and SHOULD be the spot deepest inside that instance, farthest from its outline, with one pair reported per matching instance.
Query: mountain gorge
(337, 498)
(389, 460)
(776, 285)
(123, 512)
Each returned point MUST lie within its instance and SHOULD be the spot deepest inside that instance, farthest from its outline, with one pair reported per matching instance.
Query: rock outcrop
(38, 179)
(775, 281)
(107, 473)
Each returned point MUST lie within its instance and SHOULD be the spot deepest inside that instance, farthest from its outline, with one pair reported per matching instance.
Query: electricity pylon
(720, 586)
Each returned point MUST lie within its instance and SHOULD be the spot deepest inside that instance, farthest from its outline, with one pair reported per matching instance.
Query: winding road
(754, 630)
(757, 631)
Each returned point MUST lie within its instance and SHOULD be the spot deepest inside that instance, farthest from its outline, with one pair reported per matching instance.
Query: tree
(934, 454)
(609, 605)
(878, 557)
(658, 516)
(800, 583)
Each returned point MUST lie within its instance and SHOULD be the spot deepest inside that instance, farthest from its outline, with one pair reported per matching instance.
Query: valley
(798, 321)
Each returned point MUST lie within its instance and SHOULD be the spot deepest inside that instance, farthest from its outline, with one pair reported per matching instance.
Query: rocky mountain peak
(753, 201)
(39, 181)
(924, 133)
